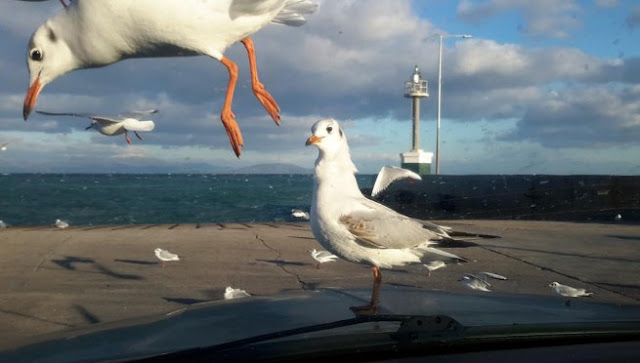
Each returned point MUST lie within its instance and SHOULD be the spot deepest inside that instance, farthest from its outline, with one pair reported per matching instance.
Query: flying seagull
(480, 280)
(360, 230)
(89, 34)
(389, 174)
(111, 126)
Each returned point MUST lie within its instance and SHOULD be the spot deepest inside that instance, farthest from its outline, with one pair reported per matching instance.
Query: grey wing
(381, 227)
(138, 113)
(83, 115)
(73, 114)
(492, 275)
(389, 174)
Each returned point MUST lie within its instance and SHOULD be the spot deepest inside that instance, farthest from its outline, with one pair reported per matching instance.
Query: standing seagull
(357, 229)
(89, 34)
(165, 256)
(111, 126)
(61, 224)
(322, 257)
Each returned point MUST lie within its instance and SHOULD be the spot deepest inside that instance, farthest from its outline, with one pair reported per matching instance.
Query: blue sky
(542, 87)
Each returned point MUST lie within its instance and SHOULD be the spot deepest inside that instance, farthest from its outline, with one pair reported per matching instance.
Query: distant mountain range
(273, 168)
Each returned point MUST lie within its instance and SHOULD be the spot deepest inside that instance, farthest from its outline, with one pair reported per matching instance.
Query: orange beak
(312, 140)
(31, 98)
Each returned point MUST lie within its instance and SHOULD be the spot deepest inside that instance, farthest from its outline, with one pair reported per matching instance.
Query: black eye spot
(35, 55)
(329, 129)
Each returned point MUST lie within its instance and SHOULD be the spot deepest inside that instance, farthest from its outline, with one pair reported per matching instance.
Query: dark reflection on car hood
(219, 322)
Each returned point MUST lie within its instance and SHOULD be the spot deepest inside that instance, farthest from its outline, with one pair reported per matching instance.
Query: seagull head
(326, 135)
(554, 284)
(48, 57)
(331, 141)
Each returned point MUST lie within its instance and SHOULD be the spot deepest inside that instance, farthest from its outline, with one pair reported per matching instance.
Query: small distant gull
(3, 147)
(358, 229)
(618, 217)
(434, 265)
(111, 126)
(568, 291)
(487, 275)
(91, 34)
(475, 282)
(389, 174)
(165, 256)
(61, 224)
(479, 280)
(300, 214)
(231, 293)
(3, 225)
(322, 257)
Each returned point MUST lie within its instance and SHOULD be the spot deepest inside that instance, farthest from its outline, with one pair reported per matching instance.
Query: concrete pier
(52, 279)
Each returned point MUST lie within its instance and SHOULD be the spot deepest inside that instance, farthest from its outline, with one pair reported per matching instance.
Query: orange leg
(372, 307)
(258, 88)
(126, 137)
(227, 116)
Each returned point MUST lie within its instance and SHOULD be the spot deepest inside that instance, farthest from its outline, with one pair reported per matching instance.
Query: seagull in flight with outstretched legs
(90, 34)
(111, 126)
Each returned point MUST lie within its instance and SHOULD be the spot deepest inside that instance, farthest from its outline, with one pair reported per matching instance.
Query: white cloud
(350, 62)
(594, 117)
(549, 18)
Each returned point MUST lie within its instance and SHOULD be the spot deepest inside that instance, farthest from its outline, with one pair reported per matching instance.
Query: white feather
(389, 174)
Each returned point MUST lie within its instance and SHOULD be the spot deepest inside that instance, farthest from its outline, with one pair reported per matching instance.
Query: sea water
(97, 199)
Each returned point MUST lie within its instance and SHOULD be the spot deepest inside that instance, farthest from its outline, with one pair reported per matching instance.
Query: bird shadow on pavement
(283, 262)
(86, 314)
(137, 262)
(629, 238)
(558, 253)
(68, 261)
(184, 300)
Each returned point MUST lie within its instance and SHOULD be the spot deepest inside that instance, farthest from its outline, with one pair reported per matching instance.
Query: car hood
(220, 322)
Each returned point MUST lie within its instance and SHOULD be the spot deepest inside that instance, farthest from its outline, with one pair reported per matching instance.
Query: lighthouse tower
(416, 159)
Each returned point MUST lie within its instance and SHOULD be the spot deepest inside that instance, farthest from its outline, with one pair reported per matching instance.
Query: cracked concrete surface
(55, 279)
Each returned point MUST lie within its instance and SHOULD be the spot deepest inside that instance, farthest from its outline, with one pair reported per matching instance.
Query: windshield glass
(163, 163)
